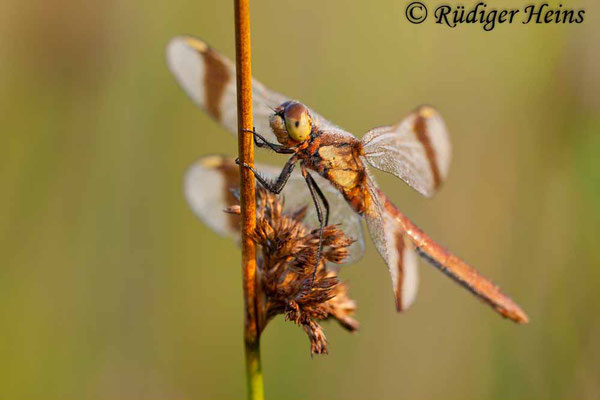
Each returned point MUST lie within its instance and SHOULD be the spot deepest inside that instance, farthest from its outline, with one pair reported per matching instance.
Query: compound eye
(297, 121)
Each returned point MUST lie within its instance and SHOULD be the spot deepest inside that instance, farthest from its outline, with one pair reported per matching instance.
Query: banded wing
(209, 80)
(208, 187)
(417, 150)
(394, 246)
(398, 240)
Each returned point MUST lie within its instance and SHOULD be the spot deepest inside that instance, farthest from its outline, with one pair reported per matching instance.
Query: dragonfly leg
(277, 148)
(279, 183)
(314, 192)
(321, 196)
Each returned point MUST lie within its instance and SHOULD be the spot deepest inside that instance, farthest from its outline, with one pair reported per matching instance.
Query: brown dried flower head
(285, 270)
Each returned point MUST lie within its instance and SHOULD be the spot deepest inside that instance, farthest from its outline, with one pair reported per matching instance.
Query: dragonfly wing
(394, 246)
(209, 186)
(210, 183)
(417, 150)
(209, 80)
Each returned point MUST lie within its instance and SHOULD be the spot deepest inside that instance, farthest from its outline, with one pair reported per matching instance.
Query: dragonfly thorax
(292, 123)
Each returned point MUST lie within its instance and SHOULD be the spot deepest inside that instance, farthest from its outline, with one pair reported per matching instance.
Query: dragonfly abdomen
(452, 266)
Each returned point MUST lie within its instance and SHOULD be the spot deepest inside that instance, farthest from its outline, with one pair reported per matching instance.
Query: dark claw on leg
(261, 141)
(252, 131)
(241, 164)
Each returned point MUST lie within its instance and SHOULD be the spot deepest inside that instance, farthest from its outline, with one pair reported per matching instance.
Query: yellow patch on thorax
(344, 178)
(335, 157)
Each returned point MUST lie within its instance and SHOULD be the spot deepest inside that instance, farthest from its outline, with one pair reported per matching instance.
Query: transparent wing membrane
(208, 78)
(417, 150)
(394, 246)
(210, 181)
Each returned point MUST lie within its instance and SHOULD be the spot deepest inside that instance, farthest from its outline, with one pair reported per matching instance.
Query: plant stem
(248, 200)
(254, 373)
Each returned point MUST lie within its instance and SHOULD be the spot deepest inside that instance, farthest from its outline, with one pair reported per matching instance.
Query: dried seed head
(285, 269)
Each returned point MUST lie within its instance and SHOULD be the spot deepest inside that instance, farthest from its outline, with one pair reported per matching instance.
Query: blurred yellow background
(110, 288)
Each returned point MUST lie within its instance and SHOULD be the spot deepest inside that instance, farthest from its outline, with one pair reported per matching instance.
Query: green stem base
(254, 375)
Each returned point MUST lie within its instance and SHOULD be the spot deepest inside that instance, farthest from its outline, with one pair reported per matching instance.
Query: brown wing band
(423, 137)
(400, 249)
(216, 77)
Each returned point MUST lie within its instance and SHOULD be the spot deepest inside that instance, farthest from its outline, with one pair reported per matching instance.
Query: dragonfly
(334, 167)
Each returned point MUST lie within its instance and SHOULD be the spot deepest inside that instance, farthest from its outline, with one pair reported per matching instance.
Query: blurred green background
(110, 288)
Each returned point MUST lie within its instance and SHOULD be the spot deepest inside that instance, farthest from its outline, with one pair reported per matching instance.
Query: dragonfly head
(292, 123)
